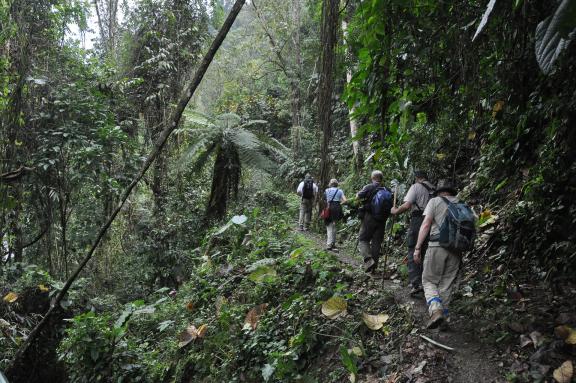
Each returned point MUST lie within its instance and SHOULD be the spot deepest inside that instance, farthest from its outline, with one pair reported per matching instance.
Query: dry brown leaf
(564, 373)
(537, 338)
(334, 307)
(10, 297)
(375, 322)
(202, 331)
(525, 341)
(567, 333)
(190, 306)
(187, 336)
(191, 333)
(253, 316)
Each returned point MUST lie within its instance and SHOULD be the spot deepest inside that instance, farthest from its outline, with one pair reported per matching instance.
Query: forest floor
(472, 360)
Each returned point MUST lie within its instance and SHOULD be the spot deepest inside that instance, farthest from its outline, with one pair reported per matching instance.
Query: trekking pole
(388, 240)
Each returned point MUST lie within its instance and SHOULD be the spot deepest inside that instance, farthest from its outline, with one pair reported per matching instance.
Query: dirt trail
(470, 362)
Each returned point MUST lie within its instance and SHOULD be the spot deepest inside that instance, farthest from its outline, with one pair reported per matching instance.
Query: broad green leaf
(554, 33)
(485, 17)
(263, 274)
(239, 219)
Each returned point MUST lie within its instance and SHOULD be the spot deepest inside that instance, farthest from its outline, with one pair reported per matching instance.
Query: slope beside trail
(472, 361)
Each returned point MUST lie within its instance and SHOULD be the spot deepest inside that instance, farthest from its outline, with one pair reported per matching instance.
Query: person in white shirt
(307, 189)
(334, 199)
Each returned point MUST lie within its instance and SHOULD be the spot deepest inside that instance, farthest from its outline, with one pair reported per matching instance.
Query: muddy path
(471, 361)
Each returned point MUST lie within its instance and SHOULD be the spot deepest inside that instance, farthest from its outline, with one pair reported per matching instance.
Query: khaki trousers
(439, 277)
(331, 234)
(305, 212)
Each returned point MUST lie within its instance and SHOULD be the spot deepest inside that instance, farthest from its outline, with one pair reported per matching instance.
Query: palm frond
(252, 123)
(227, 120)
(243, 138)
(203, 157)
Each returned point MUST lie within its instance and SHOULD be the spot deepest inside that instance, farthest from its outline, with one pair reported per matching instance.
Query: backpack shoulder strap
(426, 187)
(335, 194)
(446, 200)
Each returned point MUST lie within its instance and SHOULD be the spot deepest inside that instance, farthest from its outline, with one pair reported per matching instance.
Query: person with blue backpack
(334, 198)
(451, 225)
(375, 210)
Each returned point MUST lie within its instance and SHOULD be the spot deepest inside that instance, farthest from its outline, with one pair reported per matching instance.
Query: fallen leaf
(352, 377)
(375, 322)
(187, 336)
(537, 338)
(202, 331)
(563, 374)
(253, 316)
(418, 370)
(190, 306)
(356, 351)
(440, 156)
(525, 341)
(191, 333)
(567, 333)
(43, 288)
(334, 307)
(10, 297)
(471, 136)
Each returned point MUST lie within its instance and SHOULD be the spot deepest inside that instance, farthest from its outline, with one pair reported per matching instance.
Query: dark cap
(420, 174)
(446, 186)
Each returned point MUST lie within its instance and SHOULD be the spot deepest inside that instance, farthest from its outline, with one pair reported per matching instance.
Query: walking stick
(389, 236)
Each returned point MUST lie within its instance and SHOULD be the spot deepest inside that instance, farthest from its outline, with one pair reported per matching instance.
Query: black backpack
(308, 189)
(458, 230)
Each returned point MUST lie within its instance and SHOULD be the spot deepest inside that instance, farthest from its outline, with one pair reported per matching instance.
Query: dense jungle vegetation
(149, 156)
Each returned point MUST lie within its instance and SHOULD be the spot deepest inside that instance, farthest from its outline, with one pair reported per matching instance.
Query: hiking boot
(301, 228)
(415, 291)
(369, 265)
(436, 319)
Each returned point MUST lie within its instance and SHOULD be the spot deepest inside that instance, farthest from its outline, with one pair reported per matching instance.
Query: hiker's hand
(417, 256)
(394, 211)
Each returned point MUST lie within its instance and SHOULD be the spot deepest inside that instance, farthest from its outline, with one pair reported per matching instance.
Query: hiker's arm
(299, 189)
(424, 230)
(401, 209)
(362, 194)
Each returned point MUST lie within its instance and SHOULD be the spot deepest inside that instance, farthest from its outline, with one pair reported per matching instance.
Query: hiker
(334, 200)
(376, 204)
(307, 189)
(450, 234)
(415, 200)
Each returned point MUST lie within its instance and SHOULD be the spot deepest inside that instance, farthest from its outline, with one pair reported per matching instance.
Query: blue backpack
(381, 203)
(458, 230)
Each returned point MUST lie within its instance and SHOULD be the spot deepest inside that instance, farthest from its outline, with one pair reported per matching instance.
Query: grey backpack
(458, 230)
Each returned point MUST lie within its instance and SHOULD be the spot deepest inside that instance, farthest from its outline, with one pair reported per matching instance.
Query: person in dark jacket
(415, 201)
(372, 229)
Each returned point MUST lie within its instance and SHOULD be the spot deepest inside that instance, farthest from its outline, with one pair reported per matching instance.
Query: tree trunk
(328, 40)
(297, 77)
(358, 158)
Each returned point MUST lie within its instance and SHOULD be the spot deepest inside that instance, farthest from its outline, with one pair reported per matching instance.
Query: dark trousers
(370, 238)
(414, 269)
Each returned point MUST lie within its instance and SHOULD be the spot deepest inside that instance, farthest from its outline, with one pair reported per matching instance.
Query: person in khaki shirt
(415, 201)
(441, 266)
